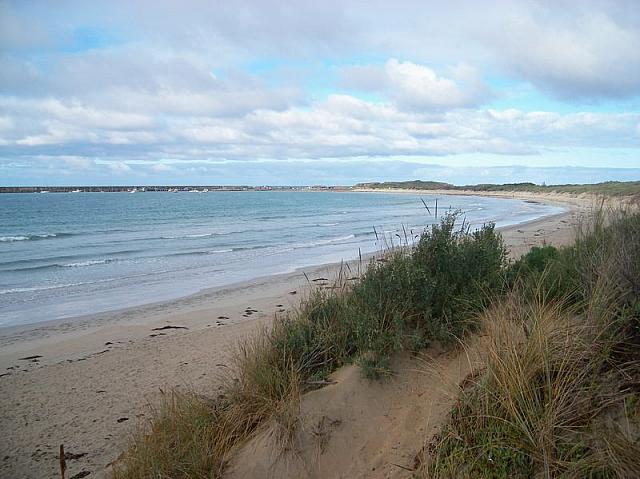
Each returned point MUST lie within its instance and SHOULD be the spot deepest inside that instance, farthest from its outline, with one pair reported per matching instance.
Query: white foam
(53, 286)
(202, 235)
(87, 263)
(13, 238)
(339, 239)
(9, 239)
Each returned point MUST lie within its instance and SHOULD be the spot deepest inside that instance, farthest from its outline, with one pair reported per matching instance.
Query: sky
(332, 92)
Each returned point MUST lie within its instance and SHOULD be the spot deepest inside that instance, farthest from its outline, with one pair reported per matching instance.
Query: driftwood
(63, 461)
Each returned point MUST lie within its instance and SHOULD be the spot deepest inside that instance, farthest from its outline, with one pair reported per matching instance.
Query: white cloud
(77, 162)
(417, 87)
(162, 167)
(119, 167)
(5, 123)
(341, 126)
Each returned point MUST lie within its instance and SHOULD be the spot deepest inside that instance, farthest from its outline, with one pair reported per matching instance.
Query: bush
(403, 301)
(454, 274)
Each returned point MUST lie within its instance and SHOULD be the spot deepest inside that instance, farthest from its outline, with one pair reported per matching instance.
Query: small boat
(135, 190)
(44, 191)
(76, 191)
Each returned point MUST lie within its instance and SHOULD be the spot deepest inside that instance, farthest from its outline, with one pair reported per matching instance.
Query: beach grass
(558, 395)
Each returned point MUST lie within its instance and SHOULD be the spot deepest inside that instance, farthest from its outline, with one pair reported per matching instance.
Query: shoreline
(28, 339)
(80, 392)
(11, 334)
(156, 313)
(11, 325)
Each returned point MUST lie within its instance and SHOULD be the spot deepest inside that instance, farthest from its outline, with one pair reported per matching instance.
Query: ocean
(70, 254)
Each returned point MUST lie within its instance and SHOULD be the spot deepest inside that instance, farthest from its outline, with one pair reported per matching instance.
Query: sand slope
(358, 428)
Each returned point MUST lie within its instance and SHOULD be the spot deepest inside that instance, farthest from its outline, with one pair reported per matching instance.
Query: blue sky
(337, 92)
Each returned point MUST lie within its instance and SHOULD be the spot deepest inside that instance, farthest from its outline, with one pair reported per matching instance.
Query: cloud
(574, 54)
(342, 126)
(418, 87)
(77, 162)
(412, 86)
(162, 167)
(119, 167)
(576, 50)
(255, 80)
(18, 32)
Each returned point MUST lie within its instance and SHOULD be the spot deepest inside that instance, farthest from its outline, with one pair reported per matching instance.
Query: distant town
(166, 188)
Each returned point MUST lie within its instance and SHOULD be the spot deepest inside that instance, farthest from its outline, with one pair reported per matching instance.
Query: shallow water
(65, 255)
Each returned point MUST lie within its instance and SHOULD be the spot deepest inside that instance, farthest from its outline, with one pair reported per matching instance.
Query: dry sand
(95, 375)
(357, 428)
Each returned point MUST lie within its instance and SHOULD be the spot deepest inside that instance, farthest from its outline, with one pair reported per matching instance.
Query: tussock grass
(558, 395)
(184, 429)
(192, 436)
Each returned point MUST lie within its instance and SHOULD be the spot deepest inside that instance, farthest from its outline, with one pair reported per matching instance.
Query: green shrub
(403, 301)
(454, 274)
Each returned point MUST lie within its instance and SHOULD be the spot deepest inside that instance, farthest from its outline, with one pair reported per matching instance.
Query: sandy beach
(87, 382)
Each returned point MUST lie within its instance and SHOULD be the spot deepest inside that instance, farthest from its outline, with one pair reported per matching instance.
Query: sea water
(64, 255)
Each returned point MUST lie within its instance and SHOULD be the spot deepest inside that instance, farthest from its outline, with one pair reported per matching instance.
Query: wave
(54, 286)
(32, 237)
(78, 264)
(203, 235)
(340, 239)
(57, 261)
(249, 248)
(87, 263)
(291, 216)
(202, 253)
(273, 217)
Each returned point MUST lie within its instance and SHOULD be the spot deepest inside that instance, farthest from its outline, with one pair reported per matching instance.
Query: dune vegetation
(558, 396)
(608, 188)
